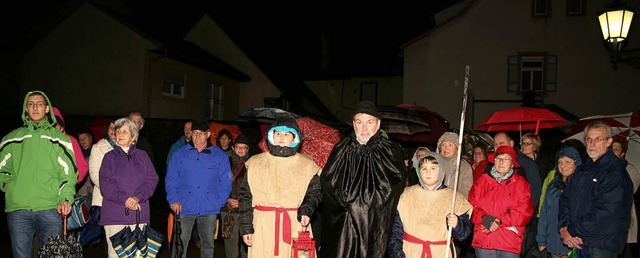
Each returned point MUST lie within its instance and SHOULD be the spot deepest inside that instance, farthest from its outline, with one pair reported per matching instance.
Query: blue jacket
(548, 234)
(200, 181)
(175, 146)
(596, 204)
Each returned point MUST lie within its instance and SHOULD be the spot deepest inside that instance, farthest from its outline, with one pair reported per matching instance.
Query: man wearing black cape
(361, 184)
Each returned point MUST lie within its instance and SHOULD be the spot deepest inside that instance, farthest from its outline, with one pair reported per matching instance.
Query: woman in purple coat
(127, 181)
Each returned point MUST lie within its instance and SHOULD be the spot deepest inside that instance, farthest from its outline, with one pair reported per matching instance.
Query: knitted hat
(507, 150)
(202, 125)
(367, 107)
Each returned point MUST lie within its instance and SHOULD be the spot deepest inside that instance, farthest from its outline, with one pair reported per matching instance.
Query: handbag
(79, 215)
(227, 225)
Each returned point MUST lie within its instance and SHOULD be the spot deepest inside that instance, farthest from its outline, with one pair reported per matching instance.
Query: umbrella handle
(64, 224)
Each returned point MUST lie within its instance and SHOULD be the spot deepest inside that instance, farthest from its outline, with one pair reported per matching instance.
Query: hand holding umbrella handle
(64, 224)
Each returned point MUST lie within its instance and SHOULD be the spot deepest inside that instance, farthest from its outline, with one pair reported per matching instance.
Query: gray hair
(133, 128)
(599, 124)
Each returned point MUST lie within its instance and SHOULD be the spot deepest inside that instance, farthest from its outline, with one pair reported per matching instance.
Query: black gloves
(487, 220)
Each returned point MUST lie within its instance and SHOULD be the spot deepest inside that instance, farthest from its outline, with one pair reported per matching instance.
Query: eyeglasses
(527, 143)
(501, 160)
(595, 140)
(199, 133)
(39, 105)
(242, 147)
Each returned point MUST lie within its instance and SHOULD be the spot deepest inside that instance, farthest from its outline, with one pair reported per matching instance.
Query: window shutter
(513, 73)
(551, 73)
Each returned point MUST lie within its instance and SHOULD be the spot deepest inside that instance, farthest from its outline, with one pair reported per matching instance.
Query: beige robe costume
(277, 182)
(633, 226)
(423, 214)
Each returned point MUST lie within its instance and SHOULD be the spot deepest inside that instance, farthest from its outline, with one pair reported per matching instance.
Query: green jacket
(37, 165)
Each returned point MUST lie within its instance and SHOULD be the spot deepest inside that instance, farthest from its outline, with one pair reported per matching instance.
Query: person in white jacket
(92, 231)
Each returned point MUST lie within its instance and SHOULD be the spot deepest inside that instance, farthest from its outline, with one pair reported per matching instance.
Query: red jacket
(509, 201)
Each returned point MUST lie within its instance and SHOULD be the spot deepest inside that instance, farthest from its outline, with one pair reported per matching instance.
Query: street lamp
(615, 21)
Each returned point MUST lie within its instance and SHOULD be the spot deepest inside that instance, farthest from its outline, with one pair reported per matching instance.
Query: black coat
(361, 185)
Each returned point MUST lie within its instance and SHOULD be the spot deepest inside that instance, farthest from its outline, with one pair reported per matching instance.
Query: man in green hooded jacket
(38, 175)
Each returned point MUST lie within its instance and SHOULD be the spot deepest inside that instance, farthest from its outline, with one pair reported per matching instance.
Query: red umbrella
(318, 140)
(521, 118)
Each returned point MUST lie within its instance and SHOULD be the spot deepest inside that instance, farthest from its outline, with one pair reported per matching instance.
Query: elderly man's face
(199, 138)
(597, 142)
(187, 130)
(501, 139)
(138, 120)
(365, 126)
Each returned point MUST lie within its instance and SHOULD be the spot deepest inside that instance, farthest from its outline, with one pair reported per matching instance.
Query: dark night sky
(283, 39)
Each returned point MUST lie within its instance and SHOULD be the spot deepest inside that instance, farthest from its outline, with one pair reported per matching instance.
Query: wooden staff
(460, 136)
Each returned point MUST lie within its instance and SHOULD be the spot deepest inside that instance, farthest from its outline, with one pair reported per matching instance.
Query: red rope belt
(286, 225)
(426, 245)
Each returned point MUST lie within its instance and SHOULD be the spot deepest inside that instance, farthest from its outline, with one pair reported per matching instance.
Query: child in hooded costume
(271, 192)
(421, 223)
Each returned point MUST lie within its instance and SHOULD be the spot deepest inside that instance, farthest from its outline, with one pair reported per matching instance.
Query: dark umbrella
(62, 245)
(264, 114)
(177, 241)
(412, 124)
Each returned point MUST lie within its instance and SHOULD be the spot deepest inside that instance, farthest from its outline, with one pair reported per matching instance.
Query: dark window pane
(537, 80)
(532, 63)
(526, 81)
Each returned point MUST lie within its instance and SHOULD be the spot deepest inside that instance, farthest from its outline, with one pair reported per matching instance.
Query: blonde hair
(537, 143)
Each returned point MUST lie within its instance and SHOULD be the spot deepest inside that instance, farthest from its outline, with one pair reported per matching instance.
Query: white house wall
(90, 55)
(490, 31)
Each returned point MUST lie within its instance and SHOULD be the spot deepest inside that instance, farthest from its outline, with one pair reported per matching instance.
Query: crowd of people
(505, 202)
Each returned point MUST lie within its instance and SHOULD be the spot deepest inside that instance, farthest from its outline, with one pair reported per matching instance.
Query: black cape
(361, 185)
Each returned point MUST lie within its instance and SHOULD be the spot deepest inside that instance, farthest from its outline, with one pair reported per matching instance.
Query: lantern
(303, 246)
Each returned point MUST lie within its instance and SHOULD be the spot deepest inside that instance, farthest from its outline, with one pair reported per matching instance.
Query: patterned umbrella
(62, 246)
(318, 140)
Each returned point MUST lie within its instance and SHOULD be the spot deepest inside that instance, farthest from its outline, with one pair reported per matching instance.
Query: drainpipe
(149, 63)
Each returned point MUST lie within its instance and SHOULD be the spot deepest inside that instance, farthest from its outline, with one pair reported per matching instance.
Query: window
(536, 73)
(369, 91)
(174, 83)
(575, 7)
(215, 95)
(540, 8)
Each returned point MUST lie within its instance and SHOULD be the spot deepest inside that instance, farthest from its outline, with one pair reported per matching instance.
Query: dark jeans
(601, 253)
